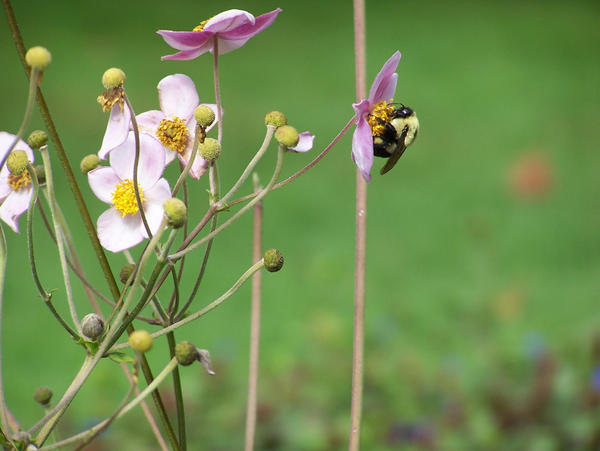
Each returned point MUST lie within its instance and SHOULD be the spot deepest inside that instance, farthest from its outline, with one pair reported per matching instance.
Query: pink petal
(177, 96)
(103, 181)
(6, 140)
(185, 55)
(305, 143)
(227, 45)
(116, 130)
(229, 20)
(151, 162)
(199, 165)
(14, 206)
(148, 121)
(185, 40)
(153, 207)
(248, 30)
(362, 148)
(116, 232)
(384, 86)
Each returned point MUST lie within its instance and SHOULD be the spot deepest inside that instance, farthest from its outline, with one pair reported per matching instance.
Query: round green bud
(204, 115)
(37, 139)
(276, 118)
(42, 395)
(141, 340)
(92, 326)
(273, 260)
(210, 149)
(175, 211)
(186, 353)
(126, 272)
(38, 57)
(40, 173)
(17, 162)
(113, 78)
(89, 162)
(287, 135)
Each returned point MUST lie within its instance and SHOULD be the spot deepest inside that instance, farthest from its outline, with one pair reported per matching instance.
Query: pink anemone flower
(15, 192)
(231, 28)
(121, 227)
(174, 125)
(382, 90)
(117, 129)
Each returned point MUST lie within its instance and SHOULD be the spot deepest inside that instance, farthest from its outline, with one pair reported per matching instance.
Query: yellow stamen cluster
(173, 134)
(110, 97)
(18, 182)
(202, 25)
(380, 115)
(123, 198)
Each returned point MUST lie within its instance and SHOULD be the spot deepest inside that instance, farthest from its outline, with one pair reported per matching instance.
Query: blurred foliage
(483, 252)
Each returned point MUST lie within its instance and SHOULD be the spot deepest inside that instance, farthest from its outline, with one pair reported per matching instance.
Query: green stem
(178, 395)
(59, 236)
(245, 208)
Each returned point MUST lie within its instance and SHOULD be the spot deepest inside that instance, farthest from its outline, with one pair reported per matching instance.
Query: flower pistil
(123, 198)
(173, 134)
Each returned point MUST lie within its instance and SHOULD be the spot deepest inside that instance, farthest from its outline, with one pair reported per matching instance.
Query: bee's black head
(403, 112)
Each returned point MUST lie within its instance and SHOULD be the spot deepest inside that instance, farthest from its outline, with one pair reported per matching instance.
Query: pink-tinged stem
(361, 242)
(217, 89)
(254, 326)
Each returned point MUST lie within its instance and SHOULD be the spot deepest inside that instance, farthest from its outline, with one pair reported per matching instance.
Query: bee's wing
(397, 153)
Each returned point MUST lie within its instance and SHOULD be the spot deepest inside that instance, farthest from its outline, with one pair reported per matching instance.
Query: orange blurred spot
(531, 176)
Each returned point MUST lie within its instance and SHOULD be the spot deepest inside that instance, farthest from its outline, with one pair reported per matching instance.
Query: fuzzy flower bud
(113, 77)
(186, 353)
(141, 340)
(175, 211)
(89, 162)
(126, 272)
(42, 395)
(17, 162)
(210, 149)
(92, 326)
(287, 135)
(38, 58)
(204, 115)
(40, 173)
(37, 139)
(273, 260)
(276, 118)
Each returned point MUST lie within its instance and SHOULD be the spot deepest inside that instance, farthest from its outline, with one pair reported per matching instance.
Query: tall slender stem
(217, 89)
(254, 325)
(3, 259)
(361, 241)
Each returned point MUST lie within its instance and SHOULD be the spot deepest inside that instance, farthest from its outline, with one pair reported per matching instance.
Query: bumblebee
(397, 133)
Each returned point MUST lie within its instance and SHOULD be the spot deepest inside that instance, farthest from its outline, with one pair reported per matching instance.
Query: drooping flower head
(174, 125)
(231, 28)
(15, 190)
(113, 100)
(121, 227)
(367, 111)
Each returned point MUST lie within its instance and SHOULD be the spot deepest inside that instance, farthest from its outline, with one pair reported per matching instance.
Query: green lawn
(472, 281)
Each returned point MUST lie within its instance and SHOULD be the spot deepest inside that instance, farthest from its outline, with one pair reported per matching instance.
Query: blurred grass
(464, 273)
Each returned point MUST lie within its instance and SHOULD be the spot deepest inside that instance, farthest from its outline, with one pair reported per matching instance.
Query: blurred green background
(484, 241)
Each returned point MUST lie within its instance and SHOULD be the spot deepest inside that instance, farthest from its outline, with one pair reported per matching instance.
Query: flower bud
(204, 115)
(287, 135)
(42, 395)
(175, 211)
(113, 78)
(186, 353)
(92, 326)
(17, 162)
(210, 149)
(38, 58)
(37, 139)
(276, 118)
(273, 260)
(126, 272)
(89, 162)
(141, 340)
(40, 173)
